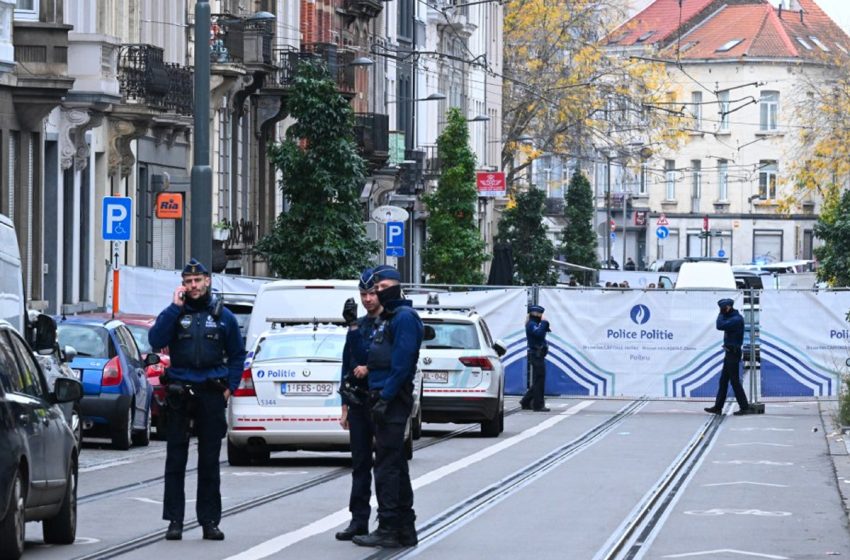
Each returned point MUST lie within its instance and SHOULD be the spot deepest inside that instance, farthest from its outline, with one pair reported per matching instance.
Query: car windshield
(140, 334)
(313, 346)
(87, 340)
(460, 336)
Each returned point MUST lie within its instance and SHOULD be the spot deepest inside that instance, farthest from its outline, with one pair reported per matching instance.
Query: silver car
(289, 399)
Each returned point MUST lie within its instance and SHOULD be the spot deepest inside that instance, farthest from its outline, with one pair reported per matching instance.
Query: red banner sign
(491, 183)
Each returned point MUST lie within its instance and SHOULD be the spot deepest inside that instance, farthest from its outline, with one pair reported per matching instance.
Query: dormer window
(688, 46)
(804, 43)
(644, 37)
(820, 45)
(729, 45)
(841, 48)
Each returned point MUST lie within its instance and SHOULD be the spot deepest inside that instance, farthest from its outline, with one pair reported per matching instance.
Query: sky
(838, 10)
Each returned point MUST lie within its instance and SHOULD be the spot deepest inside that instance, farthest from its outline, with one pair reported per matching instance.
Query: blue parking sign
(395, 234)
(117, 218)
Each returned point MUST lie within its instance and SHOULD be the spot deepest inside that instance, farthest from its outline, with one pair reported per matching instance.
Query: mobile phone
(182, 295)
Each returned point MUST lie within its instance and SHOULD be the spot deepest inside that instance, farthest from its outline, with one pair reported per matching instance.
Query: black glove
(349, 311)
(379, 411)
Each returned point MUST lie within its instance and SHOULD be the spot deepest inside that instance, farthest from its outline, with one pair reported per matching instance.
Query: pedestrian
(392, 360)
(613, 264)
(207, 357)
(356, 413)
(630, 264)
(732, 324)
(536, 328)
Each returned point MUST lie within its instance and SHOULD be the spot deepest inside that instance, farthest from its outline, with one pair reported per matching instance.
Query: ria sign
(491, 183)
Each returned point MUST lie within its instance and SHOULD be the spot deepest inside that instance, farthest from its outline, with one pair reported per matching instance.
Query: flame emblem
(640, 314)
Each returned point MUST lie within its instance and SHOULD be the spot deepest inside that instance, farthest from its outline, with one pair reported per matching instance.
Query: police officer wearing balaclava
(732, 324)
(393, 355)
(356, 411)
(207, 356)
(536, 328)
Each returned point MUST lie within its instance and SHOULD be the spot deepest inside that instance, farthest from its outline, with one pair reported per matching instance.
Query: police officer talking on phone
(356, 411)
(207, 356)
(393, 355)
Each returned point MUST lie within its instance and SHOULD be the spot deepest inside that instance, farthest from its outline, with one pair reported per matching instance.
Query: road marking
(767, 443)
(721, 511)
(265, 473)
(747, 482)
(276, 544)
(751, 462)
(761, 429)
(102, 466)
(726, 551)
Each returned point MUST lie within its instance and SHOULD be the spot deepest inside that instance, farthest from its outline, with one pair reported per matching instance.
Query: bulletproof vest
(381, 349)
(366, 330)
(199, 342)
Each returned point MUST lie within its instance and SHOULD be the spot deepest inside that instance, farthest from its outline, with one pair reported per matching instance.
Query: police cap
(386, 272)
(367, 280)
(536, 309)
(725, 301)
(194, 266)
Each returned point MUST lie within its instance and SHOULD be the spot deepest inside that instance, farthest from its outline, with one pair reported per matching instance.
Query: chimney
(801, 15)
(780, 11)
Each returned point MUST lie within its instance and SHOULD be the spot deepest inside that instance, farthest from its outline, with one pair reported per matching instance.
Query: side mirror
(500, 348)
(152, 359)
(45, 334)
(430, 333)
(66, 389)
(68, 353)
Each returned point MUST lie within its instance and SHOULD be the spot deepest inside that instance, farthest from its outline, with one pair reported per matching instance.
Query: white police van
(288, 398)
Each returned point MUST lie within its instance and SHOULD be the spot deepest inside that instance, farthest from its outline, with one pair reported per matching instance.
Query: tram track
(147, 539)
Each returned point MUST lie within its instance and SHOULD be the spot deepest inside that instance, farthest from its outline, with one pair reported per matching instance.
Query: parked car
(139, 325)
(241, 305)
(116, 392)
(288, 398)
(463, 379)
(38, 450)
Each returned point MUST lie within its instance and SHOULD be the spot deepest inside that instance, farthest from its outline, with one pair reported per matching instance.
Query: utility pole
(200, 241)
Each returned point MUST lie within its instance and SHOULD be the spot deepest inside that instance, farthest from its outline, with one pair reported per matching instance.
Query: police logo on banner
(640, 314)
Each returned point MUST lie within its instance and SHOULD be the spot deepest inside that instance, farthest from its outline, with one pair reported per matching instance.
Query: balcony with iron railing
(372, 134)
(144, 79)
(433, 164)
(239, 40)
(364, 9)
(335, 60)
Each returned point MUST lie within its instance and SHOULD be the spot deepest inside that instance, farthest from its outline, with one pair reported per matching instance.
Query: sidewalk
(839, 450)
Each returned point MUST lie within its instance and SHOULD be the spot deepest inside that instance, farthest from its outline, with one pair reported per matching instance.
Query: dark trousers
(730, 374)
(392, 478)
(210, 427)
(361, 434)
(534, 395)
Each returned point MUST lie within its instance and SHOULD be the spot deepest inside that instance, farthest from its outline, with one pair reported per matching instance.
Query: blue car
(116, 392)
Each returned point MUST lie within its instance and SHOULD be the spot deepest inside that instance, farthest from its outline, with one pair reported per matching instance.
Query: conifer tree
(579, 239)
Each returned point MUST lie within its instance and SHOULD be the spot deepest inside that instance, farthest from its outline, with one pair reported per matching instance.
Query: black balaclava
(389, 294)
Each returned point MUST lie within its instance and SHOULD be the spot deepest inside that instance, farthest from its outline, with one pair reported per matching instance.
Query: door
(141, 387)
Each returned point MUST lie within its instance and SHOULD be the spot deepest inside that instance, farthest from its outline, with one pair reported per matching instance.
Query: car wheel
(261, 457)
(237, 456)
(142, 438)
(494, 426)
(62, 529)
(13, 525)
(122, 430)
(416, 427)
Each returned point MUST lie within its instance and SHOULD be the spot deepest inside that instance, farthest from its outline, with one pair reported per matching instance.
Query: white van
(703, 274)
(299, 299)
(12, 301)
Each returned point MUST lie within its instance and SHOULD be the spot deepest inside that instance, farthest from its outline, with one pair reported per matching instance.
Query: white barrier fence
(627, 343)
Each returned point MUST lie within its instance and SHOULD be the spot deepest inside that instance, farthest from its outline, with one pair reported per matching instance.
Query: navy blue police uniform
(732, 324)
(360, 430)
(207, 357)
(537, 348)
(393, 356)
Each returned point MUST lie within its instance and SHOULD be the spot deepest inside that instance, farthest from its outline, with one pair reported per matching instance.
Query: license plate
(306, 389)
(435, 376)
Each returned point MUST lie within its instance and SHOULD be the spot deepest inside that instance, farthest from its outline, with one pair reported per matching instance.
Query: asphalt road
(589, 480)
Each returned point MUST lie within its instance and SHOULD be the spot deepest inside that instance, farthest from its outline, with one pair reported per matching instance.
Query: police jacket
(535, 336)
(356, 350)
(201, 346)
(732, 325)
(394, 351)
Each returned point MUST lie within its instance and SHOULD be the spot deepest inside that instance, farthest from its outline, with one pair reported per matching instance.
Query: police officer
(207, 355)
(732, 324)
(393, 355)
(536, 328)
(356, 411)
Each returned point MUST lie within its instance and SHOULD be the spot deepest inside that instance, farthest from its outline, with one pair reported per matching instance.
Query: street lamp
(479, 118)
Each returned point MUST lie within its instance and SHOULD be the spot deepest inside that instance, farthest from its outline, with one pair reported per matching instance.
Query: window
(842, 48)
(696, 109)
(818, 42)
(670, 179)
(767, 246)
(644, 36)
(696, 179)
(668, 249)
(767, 180)
(722, 180)
(9, 377)
(31, 381)
(644, 176)
(723, 99)
(729, 45)
(804, 43)
(128, 345)
(769, 110)
(27, 10)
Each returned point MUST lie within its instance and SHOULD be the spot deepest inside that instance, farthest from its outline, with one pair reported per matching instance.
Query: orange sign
(169, 206)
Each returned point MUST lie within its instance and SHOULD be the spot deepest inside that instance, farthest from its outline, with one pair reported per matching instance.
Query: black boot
(213, 533)
(713, 410)
(175, 531)
(407, 535)
(380, 537)
(351, 531)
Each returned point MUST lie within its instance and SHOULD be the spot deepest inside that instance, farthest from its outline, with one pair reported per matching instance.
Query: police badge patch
(186, 321)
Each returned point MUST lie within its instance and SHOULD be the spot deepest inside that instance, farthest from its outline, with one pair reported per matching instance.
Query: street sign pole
(116, 253)
(200, 239)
